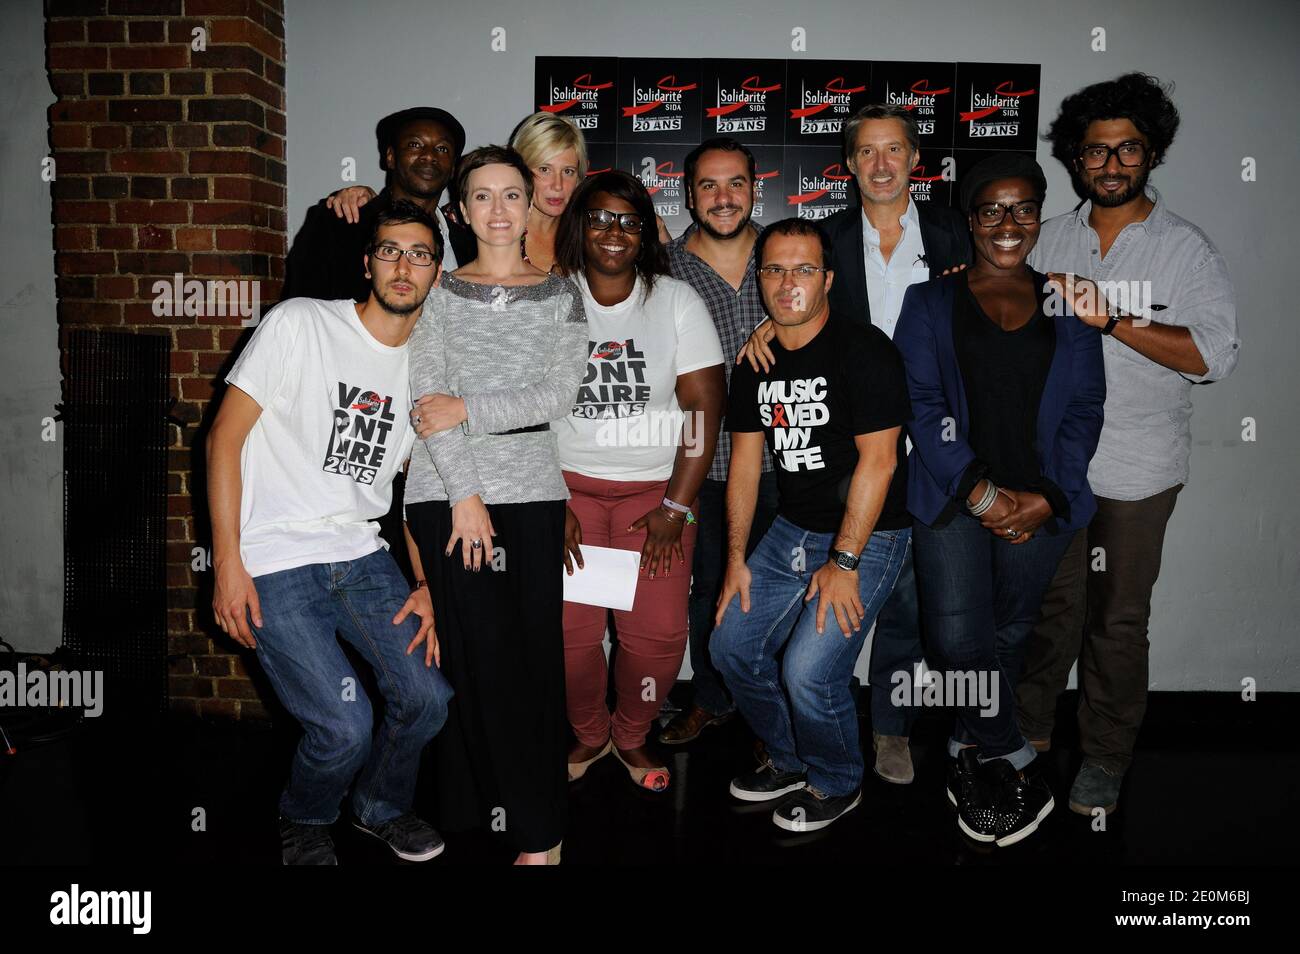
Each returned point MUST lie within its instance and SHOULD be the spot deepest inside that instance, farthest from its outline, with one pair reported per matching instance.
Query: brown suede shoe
(687, 726)
(893, 758)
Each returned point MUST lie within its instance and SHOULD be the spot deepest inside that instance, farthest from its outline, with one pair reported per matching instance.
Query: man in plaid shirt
(715, 256)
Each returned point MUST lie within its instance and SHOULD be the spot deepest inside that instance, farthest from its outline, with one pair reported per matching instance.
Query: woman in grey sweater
(498, 354)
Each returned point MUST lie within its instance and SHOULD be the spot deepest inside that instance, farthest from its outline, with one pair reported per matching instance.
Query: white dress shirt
(888, 281)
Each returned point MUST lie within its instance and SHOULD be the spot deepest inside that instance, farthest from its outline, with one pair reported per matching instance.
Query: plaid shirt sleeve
(735, 315)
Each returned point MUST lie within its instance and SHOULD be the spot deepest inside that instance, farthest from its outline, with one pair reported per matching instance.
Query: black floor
(1216, 781)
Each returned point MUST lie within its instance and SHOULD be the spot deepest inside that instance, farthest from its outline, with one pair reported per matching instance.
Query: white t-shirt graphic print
(318, 465)
(626, 423)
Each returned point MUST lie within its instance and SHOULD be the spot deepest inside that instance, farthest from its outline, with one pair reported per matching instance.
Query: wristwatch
(845, 560)
(1110, 325)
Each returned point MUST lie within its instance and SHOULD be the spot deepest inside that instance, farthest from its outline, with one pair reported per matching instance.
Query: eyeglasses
(422, 258)
(1131, 153)
(801, 272)
(992, 214)
(602, 219)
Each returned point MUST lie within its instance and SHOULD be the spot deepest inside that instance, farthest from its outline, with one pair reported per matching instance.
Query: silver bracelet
(986, 501)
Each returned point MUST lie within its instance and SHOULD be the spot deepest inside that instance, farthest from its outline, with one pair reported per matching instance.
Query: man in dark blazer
(880, 246)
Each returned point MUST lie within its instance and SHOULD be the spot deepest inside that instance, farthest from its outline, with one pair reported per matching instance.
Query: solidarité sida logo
(658, 108)
(742, 109)
(921, 100)
(997, 113)
(578, 100)
(821, 194)
(663, 181)
(822, 110)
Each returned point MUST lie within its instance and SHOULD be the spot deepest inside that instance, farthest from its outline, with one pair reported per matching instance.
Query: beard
(1108, 200)
(400, 311)
(709, 230)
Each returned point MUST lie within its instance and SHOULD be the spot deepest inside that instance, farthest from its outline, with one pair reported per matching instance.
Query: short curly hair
(1137, 97)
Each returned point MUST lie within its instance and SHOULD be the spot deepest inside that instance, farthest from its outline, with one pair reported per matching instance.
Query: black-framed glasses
(802, 272)
(602, 219)
(1096, 155)
(992, 214)
(419, 257)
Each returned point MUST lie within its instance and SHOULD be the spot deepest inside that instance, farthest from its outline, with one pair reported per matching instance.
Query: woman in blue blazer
(1007, 393)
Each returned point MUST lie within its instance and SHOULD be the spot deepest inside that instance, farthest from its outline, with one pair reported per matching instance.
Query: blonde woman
(555, 151)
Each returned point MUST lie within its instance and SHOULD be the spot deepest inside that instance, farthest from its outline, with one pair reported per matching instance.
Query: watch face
(846, 561)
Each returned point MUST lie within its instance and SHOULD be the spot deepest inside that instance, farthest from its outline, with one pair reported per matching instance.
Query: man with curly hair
(1158, 290)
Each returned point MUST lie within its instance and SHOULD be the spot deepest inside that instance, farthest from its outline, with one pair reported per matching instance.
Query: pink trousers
(651, 636)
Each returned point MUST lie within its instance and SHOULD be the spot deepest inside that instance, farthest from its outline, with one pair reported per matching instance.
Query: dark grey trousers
(1097, 613)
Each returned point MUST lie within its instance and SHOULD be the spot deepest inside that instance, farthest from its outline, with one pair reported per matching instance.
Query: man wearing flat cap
(420, 148)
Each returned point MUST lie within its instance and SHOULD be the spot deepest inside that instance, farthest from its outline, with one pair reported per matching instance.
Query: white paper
(608, 578)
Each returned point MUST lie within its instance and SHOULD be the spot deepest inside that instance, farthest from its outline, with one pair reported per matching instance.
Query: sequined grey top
(516, 354)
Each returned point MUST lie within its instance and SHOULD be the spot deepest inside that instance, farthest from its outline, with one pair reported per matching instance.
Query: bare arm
(877, 460)
(742, 491)
(414, 553)
(234, 595)
(742, 497)
(839, 589)
(700, 394)
(420, 602)
(1168, 345)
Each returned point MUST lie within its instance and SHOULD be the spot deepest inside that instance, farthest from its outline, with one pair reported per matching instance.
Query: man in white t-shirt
(301, 459)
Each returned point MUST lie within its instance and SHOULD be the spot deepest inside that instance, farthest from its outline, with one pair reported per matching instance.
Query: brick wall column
(169, 159)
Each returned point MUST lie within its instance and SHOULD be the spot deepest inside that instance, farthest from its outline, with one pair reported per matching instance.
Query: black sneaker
(766, 783)
(410, 838)
(969, 790)
(306, 844)
(1024, 800)
(809, 810)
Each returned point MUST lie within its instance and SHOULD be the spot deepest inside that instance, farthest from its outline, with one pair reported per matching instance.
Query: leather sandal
(651, 779)
(579, 769)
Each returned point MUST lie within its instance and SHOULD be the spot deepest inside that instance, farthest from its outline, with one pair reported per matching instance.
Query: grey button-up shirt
(1146, 439)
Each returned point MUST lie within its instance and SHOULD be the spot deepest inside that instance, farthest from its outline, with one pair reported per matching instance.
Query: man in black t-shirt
(831, 410)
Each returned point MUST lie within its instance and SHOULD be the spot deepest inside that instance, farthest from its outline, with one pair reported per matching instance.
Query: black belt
(522, 430)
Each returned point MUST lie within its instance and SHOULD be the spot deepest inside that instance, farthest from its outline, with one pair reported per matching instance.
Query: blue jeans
(707, 570)
(801, 707)
(979, 601)
(895, 647)
(302, 610)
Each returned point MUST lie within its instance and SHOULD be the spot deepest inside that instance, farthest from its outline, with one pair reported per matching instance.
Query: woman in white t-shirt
(634, 451)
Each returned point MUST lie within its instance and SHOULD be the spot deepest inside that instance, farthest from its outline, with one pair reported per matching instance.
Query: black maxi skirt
(501, 756)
